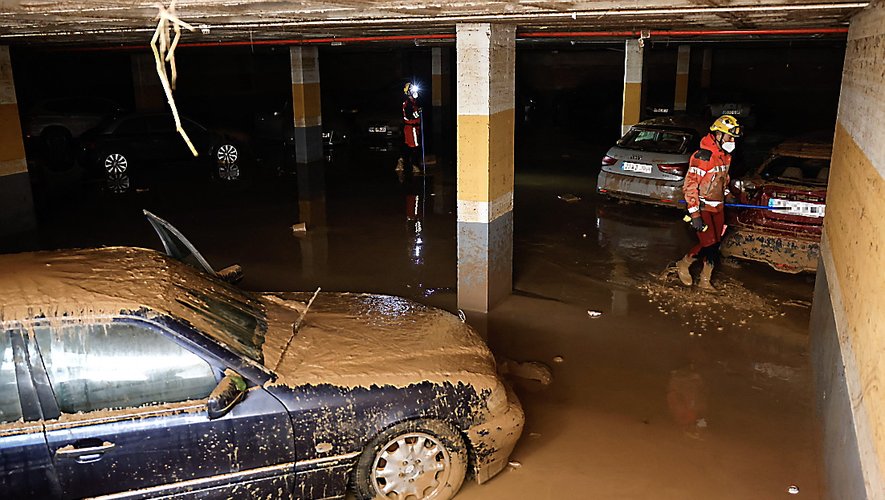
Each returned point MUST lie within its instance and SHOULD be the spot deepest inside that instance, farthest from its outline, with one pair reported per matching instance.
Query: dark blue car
(126, 373)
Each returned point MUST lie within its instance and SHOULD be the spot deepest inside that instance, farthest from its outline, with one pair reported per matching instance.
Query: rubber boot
(704, 279)
(399, 165)
(682, 269)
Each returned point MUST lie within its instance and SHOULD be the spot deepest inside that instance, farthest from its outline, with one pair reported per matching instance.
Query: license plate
(802, 208)
(636, 167)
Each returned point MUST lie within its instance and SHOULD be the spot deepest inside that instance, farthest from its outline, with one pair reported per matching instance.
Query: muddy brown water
(668, 394)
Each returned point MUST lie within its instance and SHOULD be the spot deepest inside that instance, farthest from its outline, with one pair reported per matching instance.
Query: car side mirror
(226, 394)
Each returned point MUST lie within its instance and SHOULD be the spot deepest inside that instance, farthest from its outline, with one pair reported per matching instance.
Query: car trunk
(799, 209)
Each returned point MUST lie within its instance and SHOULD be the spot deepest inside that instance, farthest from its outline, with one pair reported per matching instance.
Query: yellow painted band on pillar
(11, 146)
(306, 104)
(856, 187)
(681, 92)
(485, 156)
(632, 101)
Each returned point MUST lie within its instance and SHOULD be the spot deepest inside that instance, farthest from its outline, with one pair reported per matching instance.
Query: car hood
(361, 340)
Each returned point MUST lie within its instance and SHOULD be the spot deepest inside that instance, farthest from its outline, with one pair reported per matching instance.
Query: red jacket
(411, 111)
(706, 182)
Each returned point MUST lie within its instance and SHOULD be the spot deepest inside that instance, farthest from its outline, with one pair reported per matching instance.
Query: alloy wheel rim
(411, 466)
(227, 153)
(115, 163)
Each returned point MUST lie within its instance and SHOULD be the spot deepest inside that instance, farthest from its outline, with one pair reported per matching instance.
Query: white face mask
(728, 146)
(414, 94)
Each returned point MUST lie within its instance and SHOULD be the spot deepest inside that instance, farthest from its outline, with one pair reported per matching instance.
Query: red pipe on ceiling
(451, 36)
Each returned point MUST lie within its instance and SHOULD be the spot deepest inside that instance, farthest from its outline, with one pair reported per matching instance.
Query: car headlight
(497, 401)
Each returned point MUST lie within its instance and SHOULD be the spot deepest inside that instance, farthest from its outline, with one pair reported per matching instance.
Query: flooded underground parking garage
(423, 252)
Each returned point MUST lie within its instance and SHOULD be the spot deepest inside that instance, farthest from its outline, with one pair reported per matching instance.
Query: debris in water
(534, 435)
(558, 359)
(772, 370)
(514, 464)
(462, 316)
(569, 198)
(793, 489)
(701, 423)
(594, 314)
(299, 228)
(797, 303)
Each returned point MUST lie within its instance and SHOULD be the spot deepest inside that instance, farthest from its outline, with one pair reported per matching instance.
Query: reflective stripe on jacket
(707, 177)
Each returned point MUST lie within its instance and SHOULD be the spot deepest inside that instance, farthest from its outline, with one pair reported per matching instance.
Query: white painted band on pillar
(632, 62)
(683, 59)
(7, 85)
(305, 65)
(436, 61)
(484, 211)
(479, 93)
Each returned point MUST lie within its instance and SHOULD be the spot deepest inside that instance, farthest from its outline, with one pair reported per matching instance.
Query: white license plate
(802, 208)
(636, 167)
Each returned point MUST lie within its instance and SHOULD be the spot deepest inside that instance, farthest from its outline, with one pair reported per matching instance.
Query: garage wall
(848, 322)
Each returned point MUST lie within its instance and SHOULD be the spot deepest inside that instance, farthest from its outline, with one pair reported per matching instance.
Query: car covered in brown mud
(129, 373)
(790, 187)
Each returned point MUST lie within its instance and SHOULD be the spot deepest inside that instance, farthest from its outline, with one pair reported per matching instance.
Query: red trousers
(412, 135)
(715, 222)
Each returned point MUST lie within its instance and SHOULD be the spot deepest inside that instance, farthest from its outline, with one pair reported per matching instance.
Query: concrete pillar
(706, 68)
(682, 61)
(632, 104)
(440, 92)
(306, 104)
(848, 317)
(486, 55)
(314, 242)
(16, 200)
(146, 87)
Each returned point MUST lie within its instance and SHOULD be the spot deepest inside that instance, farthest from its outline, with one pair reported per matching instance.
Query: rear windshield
(659, 141)
(789, 169)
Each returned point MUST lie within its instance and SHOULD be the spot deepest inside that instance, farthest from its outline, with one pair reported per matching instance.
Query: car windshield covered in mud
(790, 189)
(137, 374)
(648, 164)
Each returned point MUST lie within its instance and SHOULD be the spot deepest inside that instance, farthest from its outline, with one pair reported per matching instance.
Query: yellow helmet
(409, 87)
(727, 124)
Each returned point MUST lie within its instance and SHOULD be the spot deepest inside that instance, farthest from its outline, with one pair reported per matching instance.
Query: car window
(658, 141)
(789, 169)
(120, 364)
(136, 125)
(10, 406)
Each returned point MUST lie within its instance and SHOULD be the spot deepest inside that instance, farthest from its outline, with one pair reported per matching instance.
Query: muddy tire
(418, 459)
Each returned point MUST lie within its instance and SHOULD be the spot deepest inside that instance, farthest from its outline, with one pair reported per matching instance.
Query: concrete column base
(308, 144)
(485, 263)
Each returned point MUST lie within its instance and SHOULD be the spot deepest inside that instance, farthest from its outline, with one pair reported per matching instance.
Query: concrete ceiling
(126, 22)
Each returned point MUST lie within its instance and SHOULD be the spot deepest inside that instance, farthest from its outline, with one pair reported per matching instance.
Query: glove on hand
(698, 224)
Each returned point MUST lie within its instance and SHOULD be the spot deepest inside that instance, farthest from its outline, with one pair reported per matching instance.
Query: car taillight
(608, 160)
(673, 168)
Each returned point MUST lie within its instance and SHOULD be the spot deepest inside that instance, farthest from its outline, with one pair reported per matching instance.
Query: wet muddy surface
(633, 385)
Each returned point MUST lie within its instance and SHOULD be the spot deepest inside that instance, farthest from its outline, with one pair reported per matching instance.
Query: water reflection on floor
(646, 400)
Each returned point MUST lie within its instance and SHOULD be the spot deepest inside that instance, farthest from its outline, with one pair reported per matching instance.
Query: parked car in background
(793, 183)
(128, 373)
(135, 140)
(734, 104)
(276, 125)
(649, 163)
(52, 125)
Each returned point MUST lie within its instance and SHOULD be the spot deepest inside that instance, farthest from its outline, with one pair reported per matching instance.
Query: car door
(129, 416)
(25, 464)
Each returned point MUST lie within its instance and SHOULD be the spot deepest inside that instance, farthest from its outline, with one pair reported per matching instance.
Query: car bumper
(655, 191)
(788, 253)
(494, 439)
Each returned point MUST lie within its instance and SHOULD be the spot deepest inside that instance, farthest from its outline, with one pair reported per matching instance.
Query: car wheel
(114, 163)
(418, 459)
(227, 153)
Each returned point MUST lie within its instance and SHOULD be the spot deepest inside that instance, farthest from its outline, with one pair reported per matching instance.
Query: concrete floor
(669, 394)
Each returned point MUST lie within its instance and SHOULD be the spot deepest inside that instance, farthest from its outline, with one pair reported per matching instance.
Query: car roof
(817, 145)
(101, 281)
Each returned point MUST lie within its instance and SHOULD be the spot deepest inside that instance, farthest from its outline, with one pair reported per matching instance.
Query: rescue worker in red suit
(705, 188)
(411, 130)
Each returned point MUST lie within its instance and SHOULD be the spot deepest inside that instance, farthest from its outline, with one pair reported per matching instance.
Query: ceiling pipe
(565, 35)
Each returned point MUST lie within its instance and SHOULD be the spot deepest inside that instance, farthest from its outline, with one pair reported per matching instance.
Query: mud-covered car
(649, 163)
(127, 373)
(792, 184)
